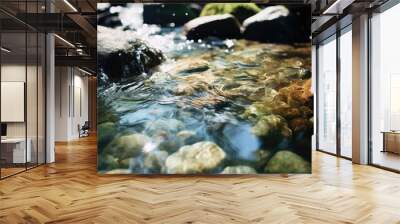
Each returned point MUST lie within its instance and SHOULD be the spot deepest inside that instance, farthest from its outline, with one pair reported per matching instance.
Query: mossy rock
(224, 26)
(202, 157)
(105, 133)
(241, 11)
(239, 170)
(122, 58)
(287, 162)
(107, 162)
(270, 124)
(256, 111)
(127, 146)
(105, 112)
(155, 161)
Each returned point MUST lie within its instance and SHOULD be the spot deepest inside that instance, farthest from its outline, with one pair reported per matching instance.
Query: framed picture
(216, 88)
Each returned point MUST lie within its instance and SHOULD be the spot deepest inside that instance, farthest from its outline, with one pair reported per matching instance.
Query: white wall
(61, 103)
(71, 102)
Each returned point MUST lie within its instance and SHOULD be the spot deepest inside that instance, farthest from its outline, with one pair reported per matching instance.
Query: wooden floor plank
(70, 191)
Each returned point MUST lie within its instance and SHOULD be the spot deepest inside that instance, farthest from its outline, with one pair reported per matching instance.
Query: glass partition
(346, 92)
(22, 101)
(385, 89)
(13, 94)
(327, 96)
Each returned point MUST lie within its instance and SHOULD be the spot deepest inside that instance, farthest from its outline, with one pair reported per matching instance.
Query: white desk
(18, 149)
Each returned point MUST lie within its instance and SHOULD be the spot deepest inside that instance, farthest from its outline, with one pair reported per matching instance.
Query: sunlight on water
(241, 95)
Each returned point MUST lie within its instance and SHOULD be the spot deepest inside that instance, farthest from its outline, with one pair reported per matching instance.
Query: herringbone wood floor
(70, 191)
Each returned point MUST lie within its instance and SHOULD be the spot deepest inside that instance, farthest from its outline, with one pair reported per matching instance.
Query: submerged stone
(163, 127)
(106, 112)
(189, 65)
(257, 110)
(272, 126)
(107, 162)
(287, 162)
(187, 137)
(127, 146)
(155, 160)
(119, 171)
(261, 158)
(239, 170)
(105, 134)
(297, 94)
(197, 158)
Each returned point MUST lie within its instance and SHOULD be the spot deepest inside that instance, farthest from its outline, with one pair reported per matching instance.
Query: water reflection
(241, 102)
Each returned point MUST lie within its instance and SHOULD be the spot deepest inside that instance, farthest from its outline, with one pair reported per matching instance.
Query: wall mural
(217, 88)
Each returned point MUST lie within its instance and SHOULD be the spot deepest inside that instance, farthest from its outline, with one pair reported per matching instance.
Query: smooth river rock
(105, 134)
(221, 26)
(277, 24)
(155, 160)
(239, 170)
(127, 146)
(287, 162)
(271, 126)
(121, 57)
(197, 158)
(240, 11)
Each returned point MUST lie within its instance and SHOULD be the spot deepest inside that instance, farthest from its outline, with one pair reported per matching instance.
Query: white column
(50, 98)
(360, 89)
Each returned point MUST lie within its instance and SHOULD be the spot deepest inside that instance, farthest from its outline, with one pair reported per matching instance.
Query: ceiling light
(5, 50)
(64, 40)
(337, 7)
(70, 5)
(84, 71)
(334, 5)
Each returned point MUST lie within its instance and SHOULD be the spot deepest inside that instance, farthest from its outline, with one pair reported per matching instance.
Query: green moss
(107, 162)
(287, 162)
(126, 146)
(105, 134)
(105, 113)
(241, 11)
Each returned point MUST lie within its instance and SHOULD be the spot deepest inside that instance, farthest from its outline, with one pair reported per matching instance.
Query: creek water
(207, 90)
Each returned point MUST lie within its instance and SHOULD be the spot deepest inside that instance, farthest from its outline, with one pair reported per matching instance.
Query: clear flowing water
(211, 90)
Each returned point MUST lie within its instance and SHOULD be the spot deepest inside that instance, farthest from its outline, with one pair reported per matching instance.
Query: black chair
(84, 130)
